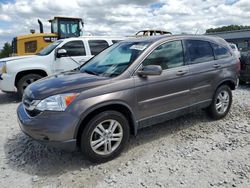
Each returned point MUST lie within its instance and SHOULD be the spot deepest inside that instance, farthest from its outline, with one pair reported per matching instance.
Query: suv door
(76, 55)
(205, 70)
(168, 92)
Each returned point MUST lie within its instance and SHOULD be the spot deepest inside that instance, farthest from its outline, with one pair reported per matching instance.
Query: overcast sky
(123, 17)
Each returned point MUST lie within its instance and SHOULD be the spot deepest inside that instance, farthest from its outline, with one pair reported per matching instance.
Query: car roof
(152, 39)
(94, 38)
(101, 37)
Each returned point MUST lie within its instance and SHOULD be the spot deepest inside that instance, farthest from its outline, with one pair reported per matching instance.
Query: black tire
(88, 134)
(25, 81)
(212, 110)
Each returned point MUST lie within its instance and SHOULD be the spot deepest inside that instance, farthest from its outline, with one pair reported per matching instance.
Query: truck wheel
(25, 81)
(221, 103)
(105, 136)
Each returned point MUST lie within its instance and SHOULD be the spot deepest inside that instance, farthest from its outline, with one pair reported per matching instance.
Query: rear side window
(96, 46)
(75, 48)
(198, 51)
(220, 51)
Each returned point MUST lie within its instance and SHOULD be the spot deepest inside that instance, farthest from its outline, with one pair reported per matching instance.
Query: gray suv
(130, 85)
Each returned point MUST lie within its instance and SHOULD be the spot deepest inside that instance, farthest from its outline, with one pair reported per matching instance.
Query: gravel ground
(190, 151)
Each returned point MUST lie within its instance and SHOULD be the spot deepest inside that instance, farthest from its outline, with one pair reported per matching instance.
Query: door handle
(216, 66)
(181, 72)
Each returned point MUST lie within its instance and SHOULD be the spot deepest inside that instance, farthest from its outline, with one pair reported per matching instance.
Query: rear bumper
(53, 130)
(7, 83)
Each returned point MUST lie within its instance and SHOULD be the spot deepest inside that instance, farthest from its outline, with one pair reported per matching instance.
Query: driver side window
(168, 55)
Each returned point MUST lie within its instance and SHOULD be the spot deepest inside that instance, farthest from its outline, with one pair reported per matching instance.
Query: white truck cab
(16, 73)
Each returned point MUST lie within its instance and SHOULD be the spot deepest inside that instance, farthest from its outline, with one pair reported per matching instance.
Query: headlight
(57, 102)
(2, 67)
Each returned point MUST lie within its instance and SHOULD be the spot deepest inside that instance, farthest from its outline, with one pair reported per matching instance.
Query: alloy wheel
(222, 102)
(106, 137)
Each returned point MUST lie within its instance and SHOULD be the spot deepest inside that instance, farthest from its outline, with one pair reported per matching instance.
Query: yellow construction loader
(61, 27)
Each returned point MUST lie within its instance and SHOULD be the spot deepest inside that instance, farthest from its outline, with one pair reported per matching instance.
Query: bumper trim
(49, 130)
(69, 145)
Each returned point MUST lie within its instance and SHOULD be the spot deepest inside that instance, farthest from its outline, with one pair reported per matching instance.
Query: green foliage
(227, 28)
(6, 51)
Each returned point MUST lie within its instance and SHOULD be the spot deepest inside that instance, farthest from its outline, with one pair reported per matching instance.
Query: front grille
(29, 105)
(33, 113)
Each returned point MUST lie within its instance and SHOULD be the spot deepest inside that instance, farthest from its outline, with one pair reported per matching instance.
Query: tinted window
(68, 28)
(220, 52)
(31, 46)
(96, 46)
(75, 48)
(198, 51)
(168, 55)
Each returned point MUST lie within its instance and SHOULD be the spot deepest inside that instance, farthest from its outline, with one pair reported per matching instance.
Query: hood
(63, 83)
(16, 58)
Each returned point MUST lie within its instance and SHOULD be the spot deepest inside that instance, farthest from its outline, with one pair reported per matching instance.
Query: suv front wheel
(105, 136)
(221, 103)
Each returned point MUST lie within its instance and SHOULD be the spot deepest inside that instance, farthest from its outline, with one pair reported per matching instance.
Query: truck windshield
(115, 60)
(49, 48)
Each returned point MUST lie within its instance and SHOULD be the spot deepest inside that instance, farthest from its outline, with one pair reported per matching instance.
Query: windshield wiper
(91, 72)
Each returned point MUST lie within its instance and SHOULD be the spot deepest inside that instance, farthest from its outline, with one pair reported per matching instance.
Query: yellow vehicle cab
(61, 27)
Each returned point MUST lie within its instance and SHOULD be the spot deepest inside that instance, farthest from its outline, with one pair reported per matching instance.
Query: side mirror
(61, 53)
(150, 70)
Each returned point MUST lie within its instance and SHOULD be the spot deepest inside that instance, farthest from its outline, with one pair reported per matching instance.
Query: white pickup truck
(16, 73)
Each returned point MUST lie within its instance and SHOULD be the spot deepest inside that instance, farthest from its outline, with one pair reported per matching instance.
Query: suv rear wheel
(221, 102)
(25, 81)
(105, 136)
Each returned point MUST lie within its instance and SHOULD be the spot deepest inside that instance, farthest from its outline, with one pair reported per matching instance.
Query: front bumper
(54, 129)
(7, 83)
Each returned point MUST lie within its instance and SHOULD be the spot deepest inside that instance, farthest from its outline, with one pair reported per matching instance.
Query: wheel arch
(229, 82)
(117, 106)
(20, 74)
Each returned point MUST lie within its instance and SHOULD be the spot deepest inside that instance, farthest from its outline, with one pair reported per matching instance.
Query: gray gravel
(191, 151)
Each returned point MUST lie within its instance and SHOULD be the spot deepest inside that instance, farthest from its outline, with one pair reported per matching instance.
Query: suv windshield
(115, 60)
(49, 48)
